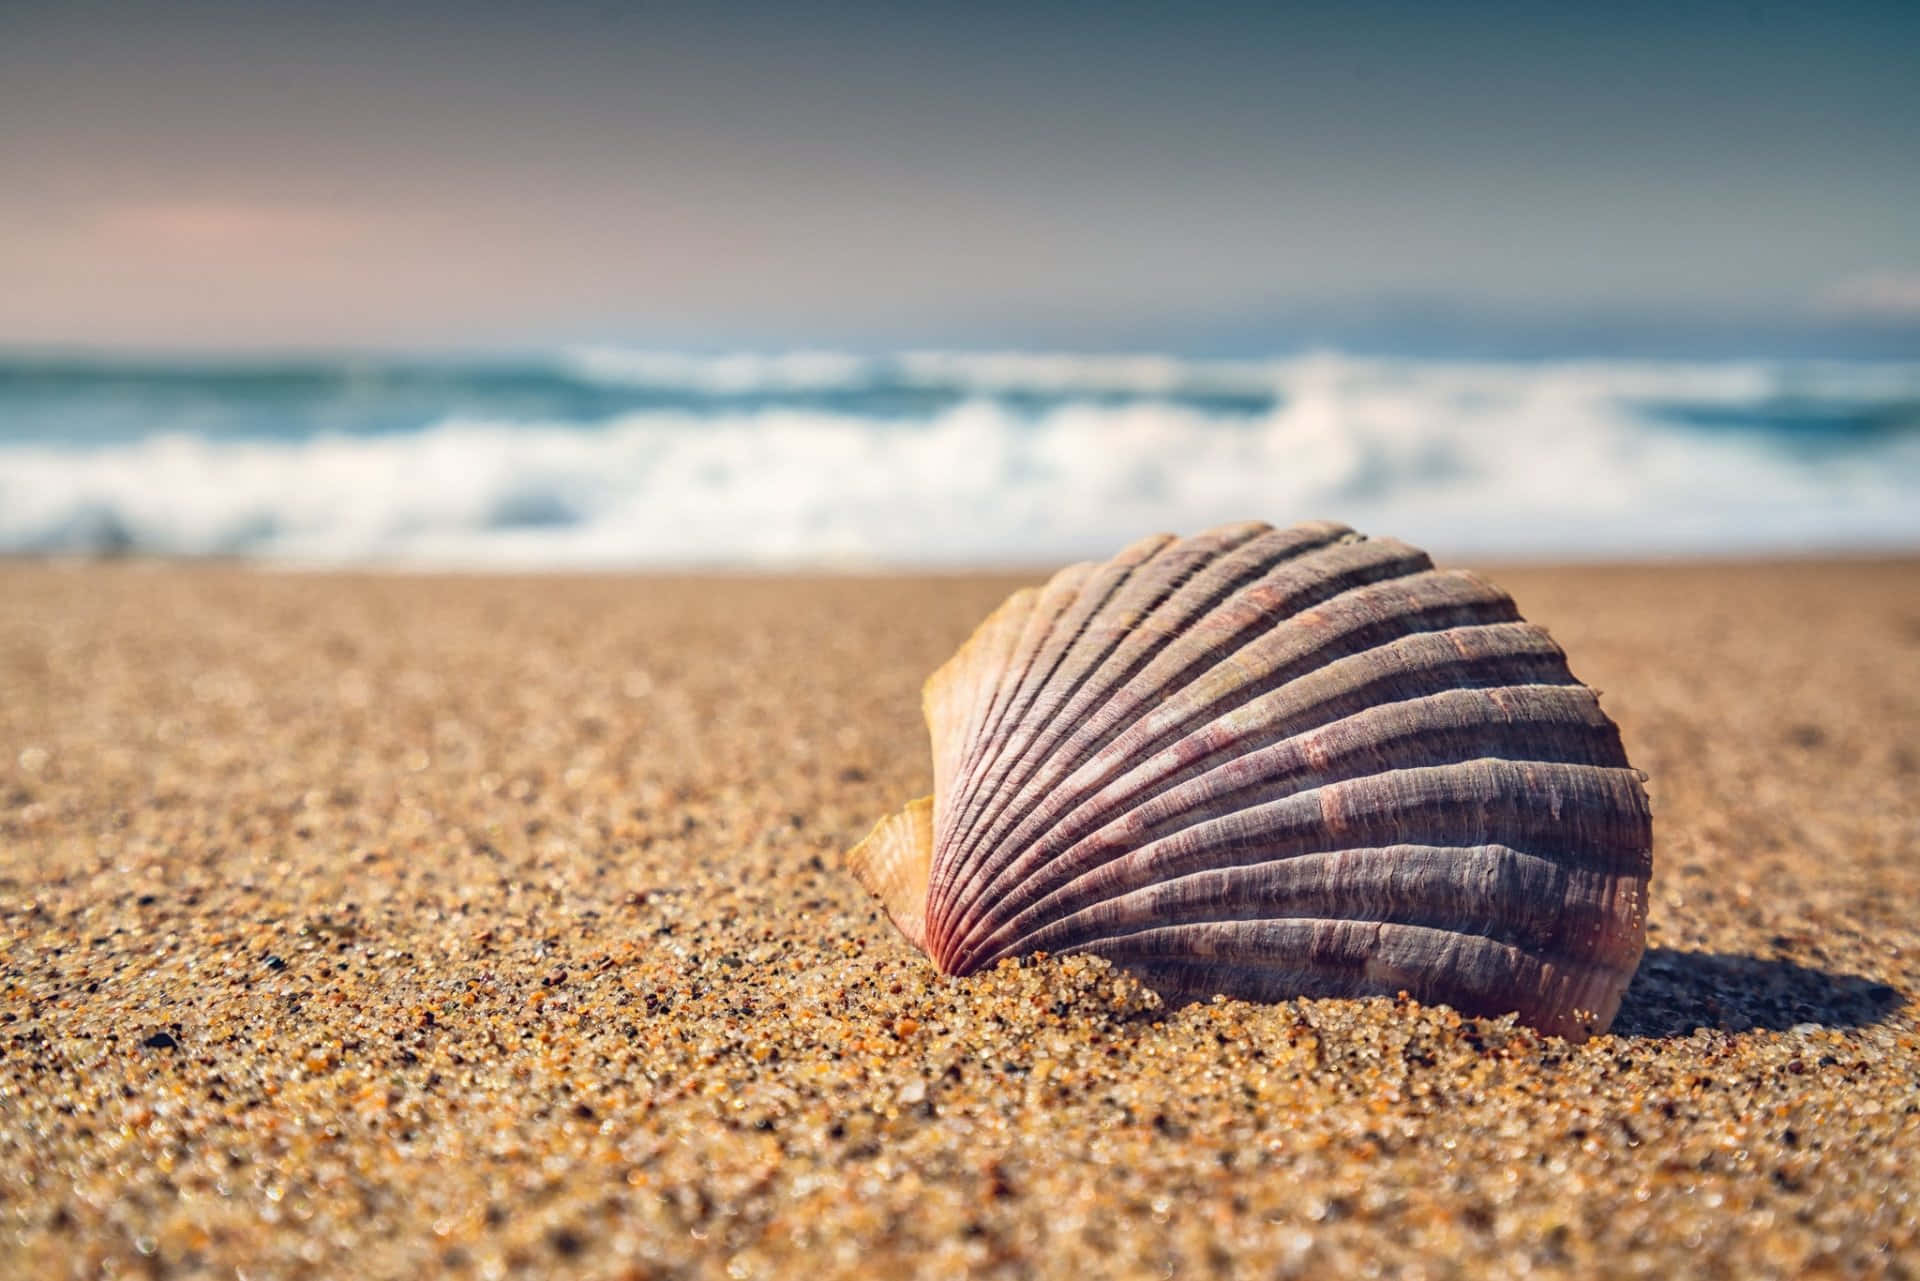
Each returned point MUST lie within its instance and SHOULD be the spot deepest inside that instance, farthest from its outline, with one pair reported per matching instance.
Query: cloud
(1877, 295)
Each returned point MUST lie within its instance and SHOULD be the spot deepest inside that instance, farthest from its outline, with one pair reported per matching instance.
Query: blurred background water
(744, 286)
(606, 457)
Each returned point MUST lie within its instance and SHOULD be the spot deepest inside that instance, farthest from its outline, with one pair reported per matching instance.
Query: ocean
(608, 458)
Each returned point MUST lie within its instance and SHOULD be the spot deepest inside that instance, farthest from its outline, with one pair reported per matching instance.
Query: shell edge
(895, 864)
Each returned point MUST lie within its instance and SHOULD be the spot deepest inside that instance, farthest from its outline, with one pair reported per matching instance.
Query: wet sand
(399, 926)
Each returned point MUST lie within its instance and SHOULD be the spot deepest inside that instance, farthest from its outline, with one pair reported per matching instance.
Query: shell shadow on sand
(1676, 992)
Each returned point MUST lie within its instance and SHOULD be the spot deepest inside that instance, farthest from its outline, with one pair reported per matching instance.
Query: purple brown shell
(1275, 763)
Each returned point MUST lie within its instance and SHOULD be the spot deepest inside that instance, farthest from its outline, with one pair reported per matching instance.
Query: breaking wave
(610, 458)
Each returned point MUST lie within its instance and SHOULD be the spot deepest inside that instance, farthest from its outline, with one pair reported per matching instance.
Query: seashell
(1274, 763)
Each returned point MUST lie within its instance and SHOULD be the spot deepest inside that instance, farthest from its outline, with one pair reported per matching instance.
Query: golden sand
(390, 926)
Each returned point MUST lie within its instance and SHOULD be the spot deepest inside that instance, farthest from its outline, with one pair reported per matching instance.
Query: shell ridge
(956, 697)
(1207, 547)
(1080, 742)
(985, 745)
(1020, 653)
(1457, 662)
(1042, 715)
(1245, 732)
(1233, 681)
(1054, 599)
(1180, 940)
(1214, 666)
(987, 791)
(1098, 679)
(1069, 599)
(1477, 977)
(1486, 798)
(1480, 890)
(1294, 763)
(959, 684)
(984, 793)
(1447, 601)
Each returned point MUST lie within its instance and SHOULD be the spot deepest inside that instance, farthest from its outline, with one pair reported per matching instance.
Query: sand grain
(380, 926)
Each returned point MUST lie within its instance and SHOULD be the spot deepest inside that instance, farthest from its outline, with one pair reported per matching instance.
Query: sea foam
(1024, 458)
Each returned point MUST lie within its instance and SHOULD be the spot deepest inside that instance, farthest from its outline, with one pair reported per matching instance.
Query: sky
(1486, 177)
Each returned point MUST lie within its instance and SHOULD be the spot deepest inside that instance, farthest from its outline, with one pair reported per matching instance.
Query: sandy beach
(385, 926)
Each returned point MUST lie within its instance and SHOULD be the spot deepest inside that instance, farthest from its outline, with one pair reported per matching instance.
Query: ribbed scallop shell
(1273, 763)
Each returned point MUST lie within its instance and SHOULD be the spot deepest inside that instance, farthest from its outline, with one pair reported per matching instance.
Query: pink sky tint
(237, 274)
(216, 229)
(501, 265)
(185, 272)
(1876, 295)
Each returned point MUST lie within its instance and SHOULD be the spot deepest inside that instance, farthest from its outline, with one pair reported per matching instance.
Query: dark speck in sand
(1808, 736)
